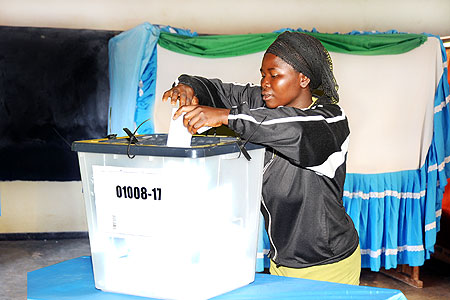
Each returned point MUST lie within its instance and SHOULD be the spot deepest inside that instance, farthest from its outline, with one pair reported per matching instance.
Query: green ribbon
(216, 46)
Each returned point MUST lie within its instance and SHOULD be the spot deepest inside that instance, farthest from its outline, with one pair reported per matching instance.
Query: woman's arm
(215, 93)
(306, 137)
(207, 102)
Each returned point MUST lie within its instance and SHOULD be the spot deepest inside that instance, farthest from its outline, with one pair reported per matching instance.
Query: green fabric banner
(215, 46)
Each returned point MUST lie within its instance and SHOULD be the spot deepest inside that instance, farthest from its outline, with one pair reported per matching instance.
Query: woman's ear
(304, 81)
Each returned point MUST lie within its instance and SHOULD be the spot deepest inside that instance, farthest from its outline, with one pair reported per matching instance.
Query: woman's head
(282, 85)
(306, 55)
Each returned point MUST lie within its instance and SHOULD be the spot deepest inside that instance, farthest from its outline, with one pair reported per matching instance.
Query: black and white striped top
(304, 171)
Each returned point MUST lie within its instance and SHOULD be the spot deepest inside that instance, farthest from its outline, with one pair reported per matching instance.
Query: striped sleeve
(315, 138)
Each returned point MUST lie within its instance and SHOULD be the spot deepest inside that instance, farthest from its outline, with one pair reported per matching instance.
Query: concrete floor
(19, 257)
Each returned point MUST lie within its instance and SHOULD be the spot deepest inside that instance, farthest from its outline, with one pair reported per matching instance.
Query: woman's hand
(183, 93)
(197, 116)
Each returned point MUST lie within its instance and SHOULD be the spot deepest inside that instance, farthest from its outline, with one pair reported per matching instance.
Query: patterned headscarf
(307, 55)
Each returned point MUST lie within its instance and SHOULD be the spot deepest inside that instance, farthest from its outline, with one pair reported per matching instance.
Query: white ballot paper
(178, 135)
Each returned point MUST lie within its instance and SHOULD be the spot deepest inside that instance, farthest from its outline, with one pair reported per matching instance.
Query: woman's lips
(266, 97)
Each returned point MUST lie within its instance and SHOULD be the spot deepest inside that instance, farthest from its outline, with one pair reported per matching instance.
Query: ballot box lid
(155, 145)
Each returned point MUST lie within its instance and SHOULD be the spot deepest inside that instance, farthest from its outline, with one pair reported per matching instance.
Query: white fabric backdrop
(388, 100)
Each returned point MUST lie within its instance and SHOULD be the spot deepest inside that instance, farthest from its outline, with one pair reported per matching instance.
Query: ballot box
(171, 223)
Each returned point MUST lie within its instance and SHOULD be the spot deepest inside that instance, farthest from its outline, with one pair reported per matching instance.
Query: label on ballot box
(129, 200)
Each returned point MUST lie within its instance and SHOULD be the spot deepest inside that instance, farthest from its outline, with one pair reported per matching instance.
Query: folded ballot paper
(178, 135)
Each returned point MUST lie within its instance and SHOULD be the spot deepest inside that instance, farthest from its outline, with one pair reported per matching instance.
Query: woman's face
(282, 85)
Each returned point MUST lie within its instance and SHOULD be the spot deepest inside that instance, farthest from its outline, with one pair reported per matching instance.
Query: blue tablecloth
(73, 279)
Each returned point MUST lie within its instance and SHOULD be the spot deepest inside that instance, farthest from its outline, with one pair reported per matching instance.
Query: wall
(58, 206)
(41, 207)
(233, 16)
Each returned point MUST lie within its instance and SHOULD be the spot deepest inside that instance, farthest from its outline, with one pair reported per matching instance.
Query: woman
(294, 113)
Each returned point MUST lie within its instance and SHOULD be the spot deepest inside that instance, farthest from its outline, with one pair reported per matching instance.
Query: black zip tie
(132, 138)
(242, 149)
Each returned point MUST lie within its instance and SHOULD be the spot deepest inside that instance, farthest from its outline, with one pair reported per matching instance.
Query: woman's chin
(269, 104)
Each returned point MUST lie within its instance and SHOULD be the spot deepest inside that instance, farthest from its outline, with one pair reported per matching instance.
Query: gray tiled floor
(19, 257)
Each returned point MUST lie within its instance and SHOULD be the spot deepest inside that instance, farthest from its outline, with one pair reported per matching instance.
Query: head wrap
(307, 55)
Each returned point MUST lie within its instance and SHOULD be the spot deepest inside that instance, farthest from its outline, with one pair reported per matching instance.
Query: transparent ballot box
(171, 223)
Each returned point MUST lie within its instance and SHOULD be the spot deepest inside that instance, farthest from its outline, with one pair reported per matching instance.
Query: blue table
(73, 279)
